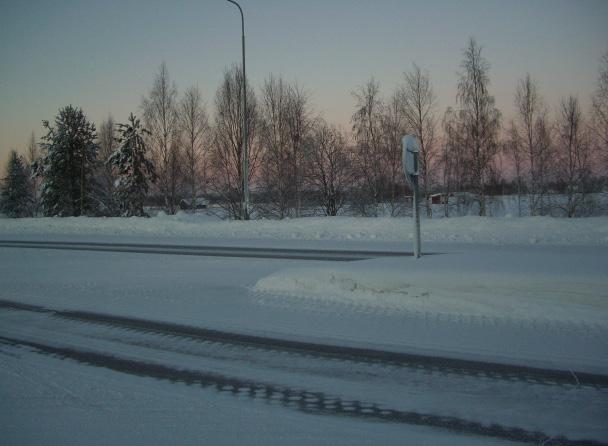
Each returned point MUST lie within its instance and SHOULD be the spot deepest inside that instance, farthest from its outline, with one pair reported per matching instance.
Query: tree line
(178, 153)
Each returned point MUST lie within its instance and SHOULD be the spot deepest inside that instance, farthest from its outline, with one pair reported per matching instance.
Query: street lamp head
(240, 10)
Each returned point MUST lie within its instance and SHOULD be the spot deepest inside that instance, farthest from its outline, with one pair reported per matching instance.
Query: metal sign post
(411, 150)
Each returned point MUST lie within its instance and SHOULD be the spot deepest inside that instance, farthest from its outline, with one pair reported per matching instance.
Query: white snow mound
(405, 285)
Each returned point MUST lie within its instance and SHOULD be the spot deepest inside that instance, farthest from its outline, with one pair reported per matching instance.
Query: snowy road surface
(53, 400)
(517, 404)
(71, 378)
(209, 251)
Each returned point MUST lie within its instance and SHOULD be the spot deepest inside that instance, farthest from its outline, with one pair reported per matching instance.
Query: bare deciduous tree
(453, 159)
(298, 126)
(227, 155)
(274, 139)
(514, 151)
(161, 119)
(328, 166)
(573, 155)
(284, 125)
(600, 110)
(481, 118)
(393, 126)
(419, 103)
(194, 125)
(530, 133)
(368, 157)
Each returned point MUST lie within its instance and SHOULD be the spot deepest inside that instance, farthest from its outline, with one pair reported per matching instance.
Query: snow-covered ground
(484, 272)
(47, 400)
(523, 291)
(469, 230)
(523, 286)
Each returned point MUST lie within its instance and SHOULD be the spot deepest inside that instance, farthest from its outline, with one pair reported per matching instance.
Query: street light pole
(245, 160)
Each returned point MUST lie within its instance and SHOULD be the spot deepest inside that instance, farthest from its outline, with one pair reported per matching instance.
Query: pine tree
(15, 196)
(67, 165)
(133, 169)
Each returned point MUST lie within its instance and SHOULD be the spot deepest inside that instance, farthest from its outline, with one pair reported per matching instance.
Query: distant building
(199, 203)
(440, 198)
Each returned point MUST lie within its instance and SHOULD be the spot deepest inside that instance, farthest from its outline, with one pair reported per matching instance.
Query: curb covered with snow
(485, 230)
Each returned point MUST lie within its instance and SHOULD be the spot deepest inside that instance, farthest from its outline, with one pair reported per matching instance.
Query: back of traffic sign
(411, 150)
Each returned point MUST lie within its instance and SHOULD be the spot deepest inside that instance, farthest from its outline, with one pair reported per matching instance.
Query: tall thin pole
(410, 154)
(245, 160)
(416, 210)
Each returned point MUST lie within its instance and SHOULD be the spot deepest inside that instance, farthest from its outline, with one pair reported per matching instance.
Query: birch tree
(194, 125)
(600, 110)
(299, 122)
(368, 157)
(329, 170)
(454, 162)
(573, 155)
(481, 118)
(277, 168)
(161, 119)
(514, 151)
(393, 127)
(227, 149)
(419, 104)
(530, 134)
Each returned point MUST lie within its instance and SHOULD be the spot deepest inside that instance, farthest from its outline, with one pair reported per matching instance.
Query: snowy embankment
(468, 230)
(512, 285)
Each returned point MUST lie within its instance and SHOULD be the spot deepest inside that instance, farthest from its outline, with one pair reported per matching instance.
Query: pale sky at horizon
(103, 55)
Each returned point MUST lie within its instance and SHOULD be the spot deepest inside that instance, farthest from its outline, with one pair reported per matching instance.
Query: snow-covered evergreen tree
(133, 168)
(15, 194)
(105, 174)
(67, 164)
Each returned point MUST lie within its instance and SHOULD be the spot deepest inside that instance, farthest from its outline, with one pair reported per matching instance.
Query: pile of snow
(474, 285)
(486, 230)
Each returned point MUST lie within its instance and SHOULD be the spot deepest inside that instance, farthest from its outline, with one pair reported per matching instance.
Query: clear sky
(102, 55)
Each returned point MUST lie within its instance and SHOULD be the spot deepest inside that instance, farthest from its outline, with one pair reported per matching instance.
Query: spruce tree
(15, 195)
(67, 165)
(133, 168)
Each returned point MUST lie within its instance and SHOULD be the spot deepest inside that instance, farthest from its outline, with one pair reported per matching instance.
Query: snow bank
(463, 285)
(486, 230)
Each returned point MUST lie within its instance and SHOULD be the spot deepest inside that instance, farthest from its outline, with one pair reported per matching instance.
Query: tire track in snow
(312, 402)
(443, 365)
(295, 302)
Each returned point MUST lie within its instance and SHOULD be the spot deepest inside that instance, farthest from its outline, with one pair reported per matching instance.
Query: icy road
(141, 348)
